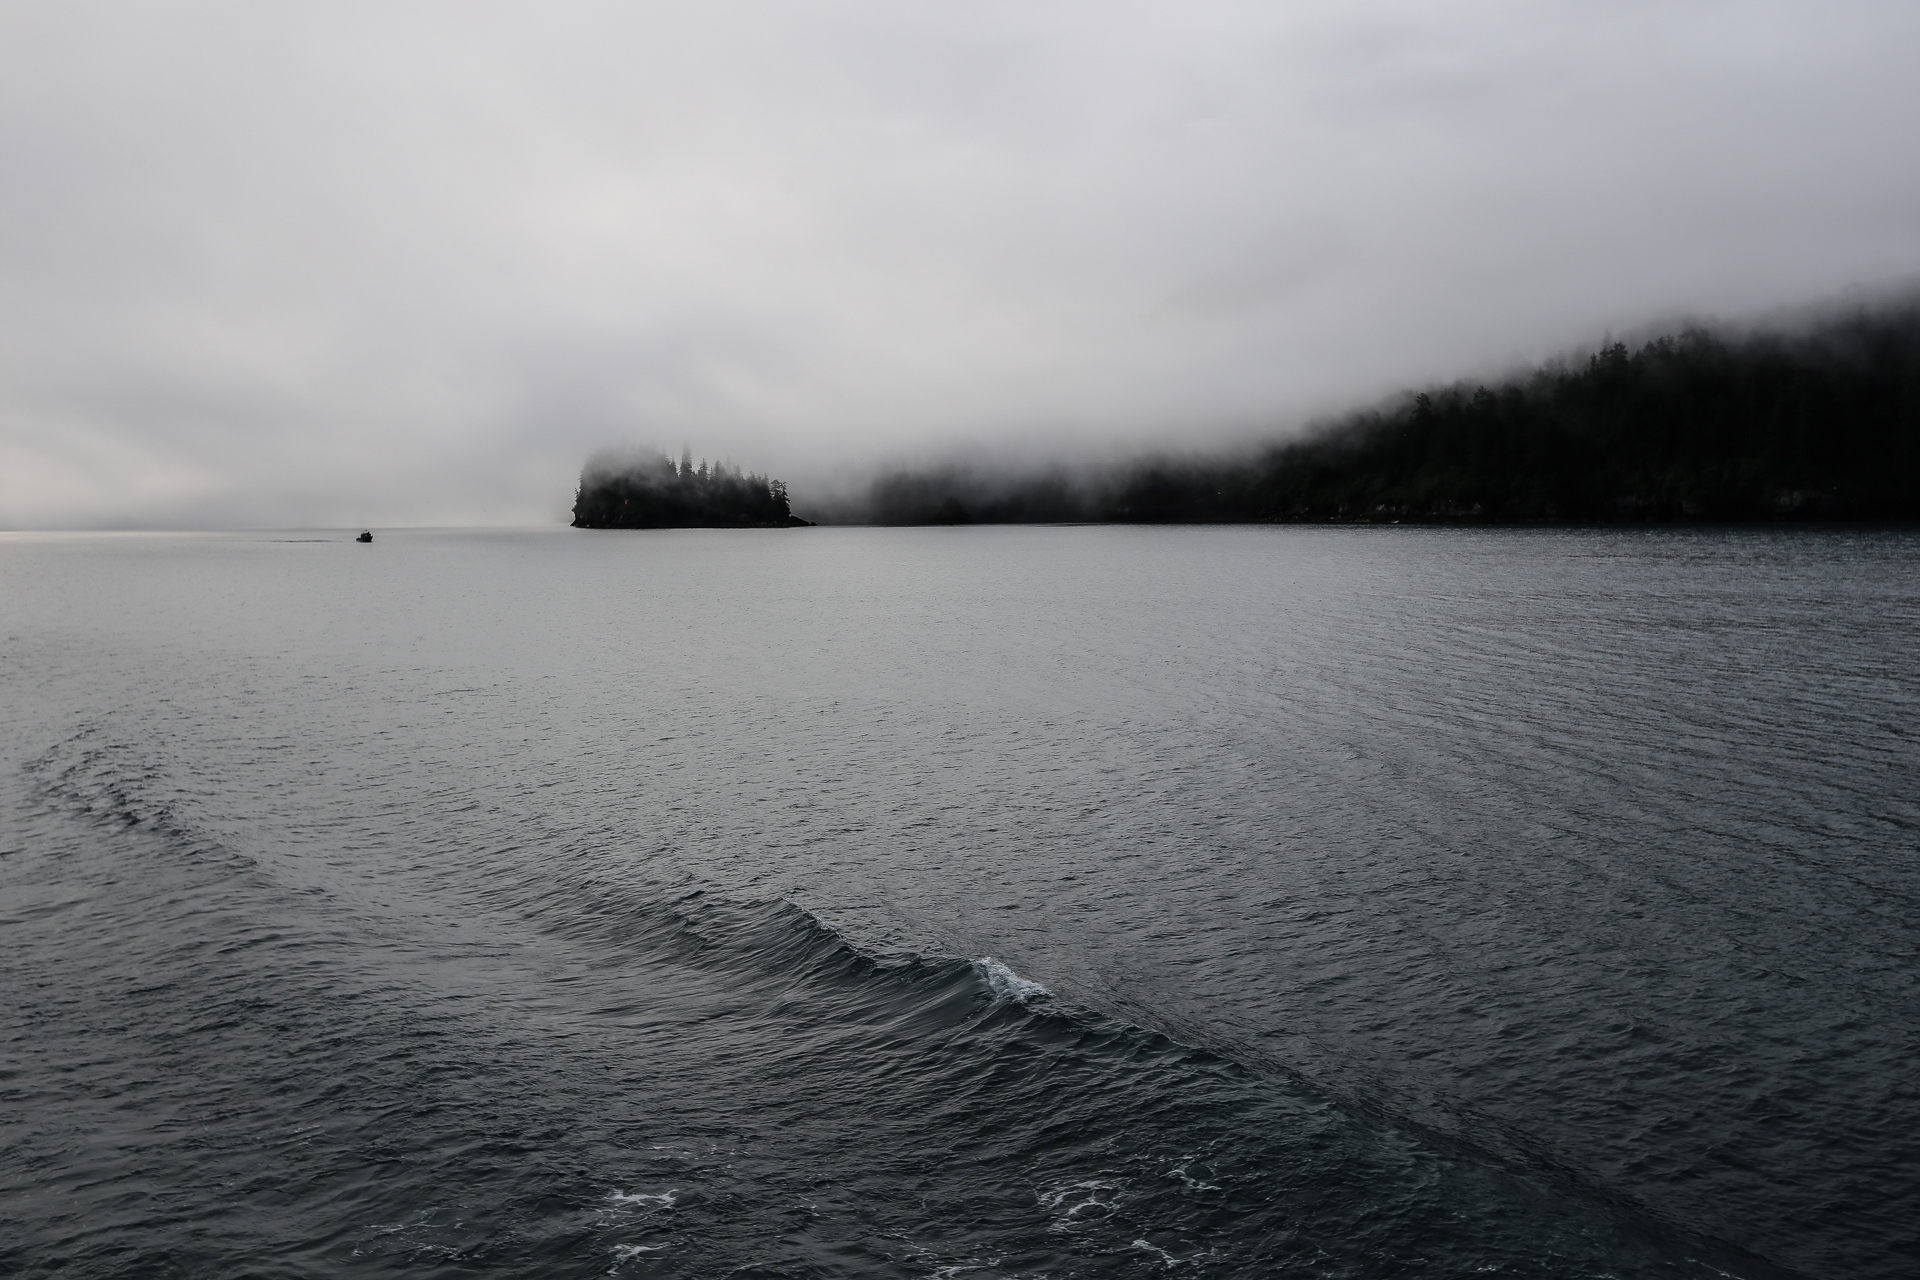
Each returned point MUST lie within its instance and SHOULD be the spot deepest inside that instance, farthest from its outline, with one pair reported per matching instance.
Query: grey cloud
(411, 264)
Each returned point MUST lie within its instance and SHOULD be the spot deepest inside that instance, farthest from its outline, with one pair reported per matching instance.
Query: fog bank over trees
(306, 265)
(1820, 423)
(649, 491)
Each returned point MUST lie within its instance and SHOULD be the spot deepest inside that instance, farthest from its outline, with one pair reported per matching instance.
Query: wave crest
(1006, 984)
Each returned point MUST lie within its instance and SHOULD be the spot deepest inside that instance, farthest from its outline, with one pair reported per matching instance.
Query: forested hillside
(1818, 425)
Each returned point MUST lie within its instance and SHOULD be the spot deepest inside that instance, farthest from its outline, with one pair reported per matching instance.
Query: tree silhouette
(1821, 425)
(650, 492)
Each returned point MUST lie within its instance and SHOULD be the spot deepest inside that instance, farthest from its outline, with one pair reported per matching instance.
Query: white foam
(1167, 1259)
(1006, 984)
(1193, 1183)
(1078, 1194)
(1069, 1202)
(625, 1253)
(665, 1199)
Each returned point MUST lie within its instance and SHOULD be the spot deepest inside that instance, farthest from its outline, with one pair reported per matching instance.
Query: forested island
(650, 491)
(1822, 424)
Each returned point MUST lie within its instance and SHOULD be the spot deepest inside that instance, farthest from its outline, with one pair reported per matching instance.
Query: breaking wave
(1006, 984)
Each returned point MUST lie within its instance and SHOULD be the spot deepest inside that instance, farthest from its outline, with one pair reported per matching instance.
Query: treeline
(1819, 425)
(651, 492)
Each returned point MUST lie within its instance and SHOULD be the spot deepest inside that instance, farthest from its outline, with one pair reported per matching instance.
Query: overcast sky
(409, 263)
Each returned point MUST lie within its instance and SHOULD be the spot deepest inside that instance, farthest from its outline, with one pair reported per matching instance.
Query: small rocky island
(651, 491)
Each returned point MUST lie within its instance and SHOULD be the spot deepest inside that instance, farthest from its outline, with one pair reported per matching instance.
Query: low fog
(355, 263)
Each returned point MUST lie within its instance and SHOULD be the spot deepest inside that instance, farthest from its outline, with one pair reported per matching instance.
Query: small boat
(366, 535)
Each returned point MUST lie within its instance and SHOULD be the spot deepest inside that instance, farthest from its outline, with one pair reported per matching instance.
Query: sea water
(960, 902)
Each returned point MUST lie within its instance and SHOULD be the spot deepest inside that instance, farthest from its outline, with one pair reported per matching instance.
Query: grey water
(1317, 902)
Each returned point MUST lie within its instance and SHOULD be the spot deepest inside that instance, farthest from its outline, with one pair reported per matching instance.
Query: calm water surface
(960, 902)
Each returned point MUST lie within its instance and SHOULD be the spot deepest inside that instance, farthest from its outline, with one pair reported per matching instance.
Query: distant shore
(651, 491)
(1822, 425)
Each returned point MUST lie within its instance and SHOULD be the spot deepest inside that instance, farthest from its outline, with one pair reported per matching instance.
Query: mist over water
(338, 263)
(961, 901)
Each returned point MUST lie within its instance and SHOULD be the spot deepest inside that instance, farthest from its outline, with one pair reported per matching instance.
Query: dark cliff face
(653, 493)
(1823, 425)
